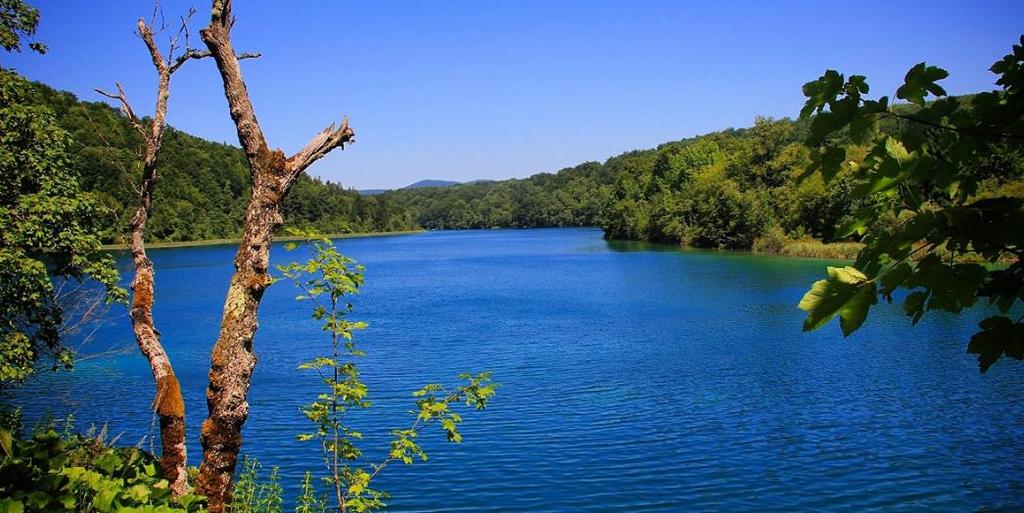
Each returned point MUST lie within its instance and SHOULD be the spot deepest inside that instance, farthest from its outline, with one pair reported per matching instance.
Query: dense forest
(724, 190)
(572, 197)
(727, 189)
(715, 190)
(204, 186)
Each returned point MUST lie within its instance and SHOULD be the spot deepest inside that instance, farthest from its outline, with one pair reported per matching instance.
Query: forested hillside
(572, 197)
(725, 189)
(720, 190)
(717, 190)
(203, 186)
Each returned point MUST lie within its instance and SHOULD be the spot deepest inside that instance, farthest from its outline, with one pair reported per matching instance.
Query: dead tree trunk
(168, 402)
(232, 361)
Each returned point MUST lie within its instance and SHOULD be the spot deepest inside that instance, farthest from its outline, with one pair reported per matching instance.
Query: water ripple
(642, 381)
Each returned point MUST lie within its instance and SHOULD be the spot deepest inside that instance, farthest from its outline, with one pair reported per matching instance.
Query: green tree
(925, 225)
(18, 20)
(49, 231)
(720, 215)
(327, 280)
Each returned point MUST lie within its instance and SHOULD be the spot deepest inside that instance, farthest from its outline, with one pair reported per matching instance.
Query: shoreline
(292, 238)
(795, 253)
(231, 241)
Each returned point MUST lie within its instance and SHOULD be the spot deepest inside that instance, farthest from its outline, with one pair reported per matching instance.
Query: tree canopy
(49, 232)
(18, 21)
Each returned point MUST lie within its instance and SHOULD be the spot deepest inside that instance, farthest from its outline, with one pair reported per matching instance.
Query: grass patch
(811, 248)
(776, 242)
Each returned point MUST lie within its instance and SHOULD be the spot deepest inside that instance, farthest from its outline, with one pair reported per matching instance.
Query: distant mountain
(418, 185)
(431, 183)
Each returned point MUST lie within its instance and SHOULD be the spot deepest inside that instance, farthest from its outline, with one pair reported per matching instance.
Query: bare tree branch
(192, 53)
(85, 310)
(272, 174)
(120, 165)
(168, 403)
(942, 126)
(145, 32)
(126, 107)
(115, 351)
(322, 144)
(175, 41)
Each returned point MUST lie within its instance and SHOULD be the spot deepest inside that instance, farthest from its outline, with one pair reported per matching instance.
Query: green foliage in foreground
(49, 471)
(327, 279)
(48, 233)
(252, 494)
(255, 493)
(928, 223)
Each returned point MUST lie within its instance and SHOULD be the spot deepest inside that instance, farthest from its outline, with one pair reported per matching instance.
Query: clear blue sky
(464, 90)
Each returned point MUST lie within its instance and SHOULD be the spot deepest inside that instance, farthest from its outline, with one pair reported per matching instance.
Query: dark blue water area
(634, 378)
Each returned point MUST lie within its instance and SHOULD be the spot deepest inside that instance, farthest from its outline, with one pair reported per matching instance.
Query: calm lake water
(634, 378)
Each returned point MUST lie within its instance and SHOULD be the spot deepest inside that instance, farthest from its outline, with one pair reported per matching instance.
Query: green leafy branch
(435, 405)
(326, 280)
(924, 227)
(250, 494)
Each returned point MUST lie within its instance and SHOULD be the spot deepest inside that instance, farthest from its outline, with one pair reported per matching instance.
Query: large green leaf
(826, 123)
(920, 81)
(821, 92)
(998, 336)
(853, 314)
(953, 287)
(5, 442)
(913, 305)
(895, 277)
(846, 292)
(827, 161)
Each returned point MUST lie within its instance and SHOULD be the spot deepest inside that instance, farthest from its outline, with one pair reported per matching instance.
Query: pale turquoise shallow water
(635, 378)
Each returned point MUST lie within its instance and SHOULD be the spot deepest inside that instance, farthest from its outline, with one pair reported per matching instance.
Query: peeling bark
(167, 403)
(272, 174)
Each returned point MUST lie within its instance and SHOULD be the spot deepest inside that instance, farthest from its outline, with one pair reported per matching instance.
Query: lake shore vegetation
(923, 195)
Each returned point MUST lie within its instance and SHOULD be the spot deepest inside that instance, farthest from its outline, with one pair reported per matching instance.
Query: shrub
(49, 471)
(772, 242)
(811, 248)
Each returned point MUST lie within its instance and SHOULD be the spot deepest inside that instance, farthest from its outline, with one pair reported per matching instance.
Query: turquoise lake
(634, 378)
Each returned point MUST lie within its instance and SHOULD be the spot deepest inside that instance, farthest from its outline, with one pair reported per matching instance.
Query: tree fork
(272, 175)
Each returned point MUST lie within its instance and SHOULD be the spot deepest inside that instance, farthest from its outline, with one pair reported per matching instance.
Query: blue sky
(465, 90)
